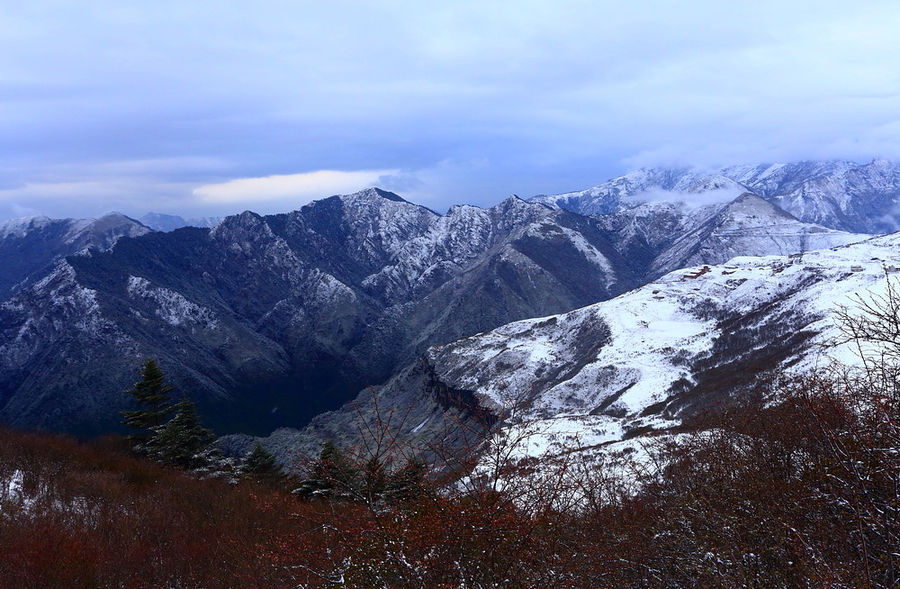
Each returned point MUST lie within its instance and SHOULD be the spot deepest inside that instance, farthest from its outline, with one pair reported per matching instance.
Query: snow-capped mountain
(269, 320)
(748, 225)
(29, 245)
(862, 198)
(644, 361)
(163, 222)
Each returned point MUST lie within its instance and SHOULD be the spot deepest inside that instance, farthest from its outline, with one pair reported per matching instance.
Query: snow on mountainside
(163, 222)
(269, 320)
(667, 235)
(451, 243)
(644, 361)
(21, 226)
(615, 195)
(860, 198)
(749, 225)
(31, 245)
(654, 355)
(75, 232)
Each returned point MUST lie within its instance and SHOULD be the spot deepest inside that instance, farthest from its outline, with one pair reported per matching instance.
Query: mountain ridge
(28, 246)
(271, 320)
(646, 361)
(860, 198)
(322, 299)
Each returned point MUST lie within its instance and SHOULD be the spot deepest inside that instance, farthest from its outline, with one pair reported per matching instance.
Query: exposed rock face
(269, 321)
(749, 225)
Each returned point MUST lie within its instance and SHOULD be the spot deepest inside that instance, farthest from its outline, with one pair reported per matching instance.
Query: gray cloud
(116, 104)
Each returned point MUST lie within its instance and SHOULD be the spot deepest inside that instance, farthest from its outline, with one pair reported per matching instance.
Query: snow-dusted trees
(371, 480)
(260, 464)
(798, 487)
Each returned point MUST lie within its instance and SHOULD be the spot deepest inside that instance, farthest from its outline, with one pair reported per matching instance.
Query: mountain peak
(164, 222)
(715, 182)
(108, 228)
(114, 217)
(513, 210)
(22, 224)
(514, 202)
(750, 205)
(377, 192)
(838, 194)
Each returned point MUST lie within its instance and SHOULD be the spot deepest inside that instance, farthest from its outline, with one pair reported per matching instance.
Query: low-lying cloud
(299, 188)
(692, 198)
(181, 106)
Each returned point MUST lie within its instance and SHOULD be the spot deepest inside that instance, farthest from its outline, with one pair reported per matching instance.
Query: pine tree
(153, 395)
(334, 468)
(182, 441)
(374, 480)
(261, 464)
(408, 483)
(332, 475)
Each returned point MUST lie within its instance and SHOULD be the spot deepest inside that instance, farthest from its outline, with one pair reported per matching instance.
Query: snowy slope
(672, 235)
(19, 227)
(274, 319)
(608, 373)
(860, 198)
(163, 222)
(749, 225)
(644, 185)
(658, 354)
(269, 320)
(30, 246)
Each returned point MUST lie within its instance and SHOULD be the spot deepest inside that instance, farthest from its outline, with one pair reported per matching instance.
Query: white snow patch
(530, 368)
(420, 426)
(21, 226)
(171, 306)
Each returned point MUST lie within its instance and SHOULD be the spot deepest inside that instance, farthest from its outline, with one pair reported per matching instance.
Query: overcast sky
(211, 108)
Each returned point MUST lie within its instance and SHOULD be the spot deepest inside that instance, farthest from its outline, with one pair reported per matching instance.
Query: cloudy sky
(209, 108)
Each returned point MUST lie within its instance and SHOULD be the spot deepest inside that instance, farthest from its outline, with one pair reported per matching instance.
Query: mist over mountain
(860, 198)
(163, 222)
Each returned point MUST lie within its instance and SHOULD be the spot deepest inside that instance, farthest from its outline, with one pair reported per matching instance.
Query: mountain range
(271, 321)
(860, 198)
(163, 222)
(646, 362)
(28, 246)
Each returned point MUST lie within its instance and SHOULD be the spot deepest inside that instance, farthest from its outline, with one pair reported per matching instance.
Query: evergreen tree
(334, 468)
(152, 394)
(182, 441)
(261, 464)
(374, 480)
(332, 475)
(408, 483)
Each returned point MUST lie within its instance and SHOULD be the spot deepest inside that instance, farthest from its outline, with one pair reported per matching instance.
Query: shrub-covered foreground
(803, 493)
